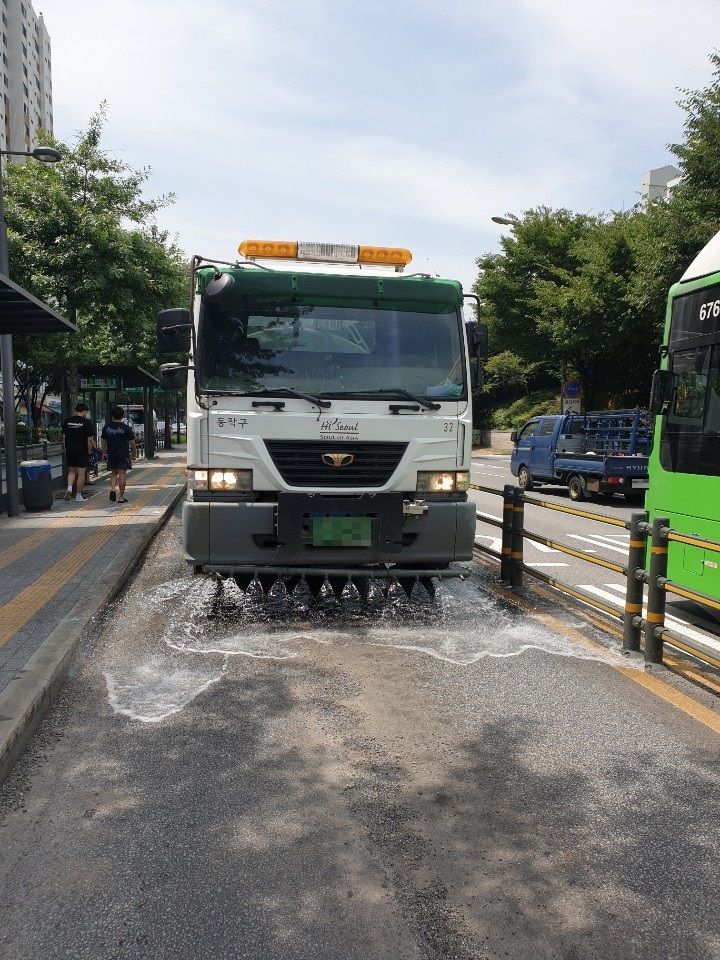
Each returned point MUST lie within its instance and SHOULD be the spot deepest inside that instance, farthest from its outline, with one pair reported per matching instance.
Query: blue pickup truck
(592, 453)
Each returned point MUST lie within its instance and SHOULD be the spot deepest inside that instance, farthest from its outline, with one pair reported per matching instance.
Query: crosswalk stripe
(592, 539)
(673, 622)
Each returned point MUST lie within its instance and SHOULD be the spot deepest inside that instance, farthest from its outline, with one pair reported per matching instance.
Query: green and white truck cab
(329, 416)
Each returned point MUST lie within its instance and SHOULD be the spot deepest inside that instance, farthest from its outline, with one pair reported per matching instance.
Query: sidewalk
(58, 569)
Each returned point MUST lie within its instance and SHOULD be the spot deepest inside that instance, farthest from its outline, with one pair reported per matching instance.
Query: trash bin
(37, 484)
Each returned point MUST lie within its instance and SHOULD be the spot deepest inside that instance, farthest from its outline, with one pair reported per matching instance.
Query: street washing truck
(329, 421)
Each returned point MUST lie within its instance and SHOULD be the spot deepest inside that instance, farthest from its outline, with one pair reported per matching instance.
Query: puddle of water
(204, 618)
(461, 625)
(152, 692)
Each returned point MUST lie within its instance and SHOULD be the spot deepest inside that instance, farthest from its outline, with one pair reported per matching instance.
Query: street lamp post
(45, 155)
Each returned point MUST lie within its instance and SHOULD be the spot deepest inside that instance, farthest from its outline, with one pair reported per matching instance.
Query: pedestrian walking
(119, 449)
(78, 440)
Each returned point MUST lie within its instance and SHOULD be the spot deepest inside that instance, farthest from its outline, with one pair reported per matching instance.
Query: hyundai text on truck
(329, 418)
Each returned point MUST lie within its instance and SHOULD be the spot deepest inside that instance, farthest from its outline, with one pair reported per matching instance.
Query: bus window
(689, 442)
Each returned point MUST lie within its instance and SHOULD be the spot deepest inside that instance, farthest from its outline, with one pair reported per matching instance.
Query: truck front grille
(300, 462)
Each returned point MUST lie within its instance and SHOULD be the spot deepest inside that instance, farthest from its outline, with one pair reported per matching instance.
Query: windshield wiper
(397, 392)
(289, 392)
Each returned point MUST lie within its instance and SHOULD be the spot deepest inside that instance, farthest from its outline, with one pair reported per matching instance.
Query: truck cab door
(541, 461)
(522, 451)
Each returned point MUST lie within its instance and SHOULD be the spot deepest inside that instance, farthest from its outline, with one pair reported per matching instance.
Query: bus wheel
(576, 488)
(524, 478)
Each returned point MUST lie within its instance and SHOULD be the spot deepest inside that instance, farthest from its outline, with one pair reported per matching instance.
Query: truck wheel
(576, 488)
(524, 478)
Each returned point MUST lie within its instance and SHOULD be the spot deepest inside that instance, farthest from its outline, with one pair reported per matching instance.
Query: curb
(45, 672)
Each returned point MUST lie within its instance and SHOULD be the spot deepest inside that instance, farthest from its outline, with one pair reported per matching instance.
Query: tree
(506, 372)
(672, 231)
(82, 237)
(541, 246)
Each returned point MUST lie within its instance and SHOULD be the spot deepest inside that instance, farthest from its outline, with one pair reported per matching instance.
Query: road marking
(496, 544)
(32, 540)
(591, 538)
(490, 516)
(15, 614)
(675, 623)
(696, 711)
(533, 563)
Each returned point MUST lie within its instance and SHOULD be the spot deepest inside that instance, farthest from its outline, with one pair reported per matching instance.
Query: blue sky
(401, 123)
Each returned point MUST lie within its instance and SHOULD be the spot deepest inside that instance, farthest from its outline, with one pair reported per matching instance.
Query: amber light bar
(396, 257)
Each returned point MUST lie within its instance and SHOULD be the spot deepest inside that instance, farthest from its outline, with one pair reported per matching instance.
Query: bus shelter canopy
(22, 313)
(112, 376)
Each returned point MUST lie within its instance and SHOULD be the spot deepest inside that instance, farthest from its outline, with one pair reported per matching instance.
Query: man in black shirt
(78, 434)
(118, 439)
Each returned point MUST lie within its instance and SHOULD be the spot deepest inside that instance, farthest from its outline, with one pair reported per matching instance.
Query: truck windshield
(331, 350)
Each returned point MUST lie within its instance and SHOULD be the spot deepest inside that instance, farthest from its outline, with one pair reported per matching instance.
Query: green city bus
(685, 461)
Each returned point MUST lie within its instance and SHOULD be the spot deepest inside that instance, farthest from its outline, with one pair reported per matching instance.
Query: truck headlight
(231, 480)
(445, 481)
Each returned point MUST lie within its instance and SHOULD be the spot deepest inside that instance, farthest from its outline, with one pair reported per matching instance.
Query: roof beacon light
(395, 257)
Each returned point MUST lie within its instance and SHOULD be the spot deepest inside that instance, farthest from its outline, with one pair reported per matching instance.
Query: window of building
(24, 30)
(4, 18)
(25, 70)
(24, 50)
(26, 91)
(22, 9)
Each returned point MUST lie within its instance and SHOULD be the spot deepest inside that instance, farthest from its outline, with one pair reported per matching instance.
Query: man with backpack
(118, 447)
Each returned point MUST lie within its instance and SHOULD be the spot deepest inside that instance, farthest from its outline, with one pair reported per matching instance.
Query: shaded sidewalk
(58, 569)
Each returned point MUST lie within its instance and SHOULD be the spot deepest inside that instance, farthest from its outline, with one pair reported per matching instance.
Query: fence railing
(647, 632)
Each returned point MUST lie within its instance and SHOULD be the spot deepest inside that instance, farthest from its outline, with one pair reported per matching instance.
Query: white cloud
(320, 121)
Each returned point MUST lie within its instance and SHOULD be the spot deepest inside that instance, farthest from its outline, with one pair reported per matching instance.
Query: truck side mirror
(661, 392)
(477, 338)
(514, 436)
(173, 376)
(174, 328)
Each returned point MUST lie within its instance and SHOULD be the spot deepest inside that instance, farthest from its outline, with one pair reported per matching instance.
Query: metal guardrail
(651, 628)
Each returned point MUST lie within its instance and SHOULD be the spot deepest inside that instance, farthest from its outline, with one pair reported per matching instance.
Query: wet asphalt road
(445, 781)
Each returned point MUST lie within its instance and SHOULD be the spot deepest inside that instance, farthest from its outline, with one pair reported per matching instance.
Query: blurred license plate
(341, 532)
(641, 484)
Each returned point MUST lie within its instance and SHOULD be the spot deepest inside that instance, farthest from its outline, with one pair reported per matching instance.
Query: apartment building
(25, 75)
(658, 184)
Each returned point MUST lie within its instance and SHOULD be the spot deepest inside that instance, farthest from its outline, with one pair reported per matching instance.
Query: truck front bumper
(235, 536)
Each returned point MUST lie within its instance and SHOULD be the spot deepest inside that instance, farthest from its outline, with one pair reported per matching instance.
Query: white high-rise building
(25, 76)
(658, 184)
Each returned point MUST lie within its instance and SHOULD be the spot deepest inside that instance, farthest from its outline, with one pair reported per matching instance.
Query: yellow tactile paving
(16, 612)
(32, 540)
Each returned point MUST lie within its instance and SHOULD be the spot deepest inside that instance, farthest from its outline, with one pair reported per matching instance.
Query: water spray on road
(207, 623)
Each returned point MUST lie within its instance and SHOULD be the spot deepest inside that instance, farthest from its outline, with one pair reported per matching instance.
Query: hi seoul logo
(336, 429)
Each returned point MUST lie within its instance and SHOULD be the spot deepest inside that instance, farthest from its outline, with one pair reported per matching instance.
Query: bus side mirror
(514, 436)
(477, 338)
(174, 328)
(173, 376)
(661, 392)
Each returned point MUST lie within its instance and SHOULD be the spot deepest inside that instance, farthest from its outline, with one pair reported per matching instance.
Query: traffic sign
(572, 389)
